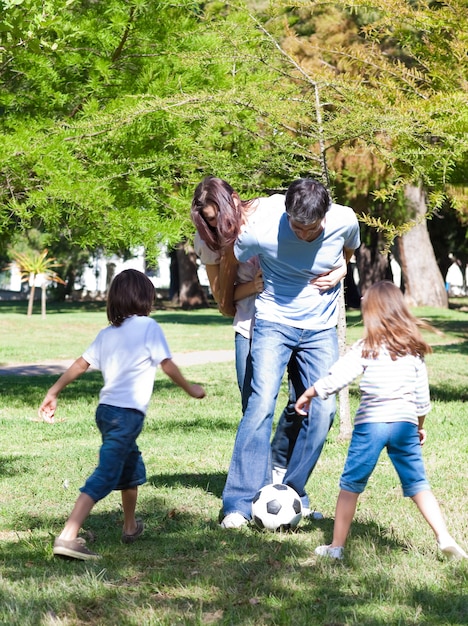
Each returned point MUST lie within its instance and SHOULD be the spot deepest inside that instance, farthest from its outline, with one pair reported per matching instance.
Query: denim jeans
(290, 422)
(401, 439)
(120, 463)
(250, 468)
(243, 367)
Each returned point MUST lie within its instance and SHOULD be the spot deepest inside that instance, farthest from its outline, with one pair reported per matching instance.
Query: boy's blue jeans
(120, 463)
(250, 468)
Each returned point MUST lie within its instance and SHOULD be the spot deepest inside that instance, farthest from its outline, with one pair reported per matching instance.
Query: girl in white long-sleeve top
(394, 402)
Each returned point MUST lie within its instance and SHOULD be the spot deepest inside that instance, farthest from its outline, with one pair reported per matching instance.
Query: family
(275, 265)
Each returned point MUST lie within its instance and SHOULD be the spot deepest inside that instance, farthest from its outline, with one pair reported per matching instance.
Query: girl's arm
(421, 430)
(170, 369)
(49, 404)
(302, 404)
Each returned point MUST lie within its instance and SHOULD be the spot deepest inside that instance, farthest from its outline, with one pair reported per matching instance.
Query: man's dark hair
(130, 293)
(307, 201)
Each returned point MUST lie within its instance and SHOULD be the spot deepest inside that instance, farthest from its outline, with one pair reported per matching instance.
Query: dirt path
(183, 359)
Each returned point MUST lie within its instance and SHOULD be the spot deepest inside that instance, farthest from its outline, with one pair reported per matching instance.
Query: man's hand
(330, 279)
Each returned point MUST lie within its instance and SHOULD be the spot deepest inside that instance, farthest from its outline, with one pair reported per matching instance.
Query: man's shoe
(277, 475)
(332, 553)
(139, 531)
(74, 549)
(233, 520)
(308, 513)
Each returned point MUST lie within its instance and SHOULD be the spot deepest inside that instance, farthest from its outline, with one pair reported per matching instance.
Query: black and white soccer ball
(276, 507)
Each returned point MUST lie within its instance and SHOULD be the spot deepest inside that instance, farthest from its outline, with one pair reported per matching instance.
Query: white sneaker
(451, 549)
(333, 553)
(233, 520)
(306, 512)
(277, 475)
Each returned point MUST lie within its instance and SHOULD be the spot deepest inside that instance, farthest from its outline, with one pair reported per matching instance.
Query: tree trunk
(43, 300)
(423, 282)
(32, 284)
(191, 293)
(344, 408)
(372, 264)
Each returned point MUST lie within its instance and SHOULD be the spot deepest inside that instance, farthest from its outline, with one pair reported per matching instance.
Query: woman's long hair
(219, 194)
(389, 323)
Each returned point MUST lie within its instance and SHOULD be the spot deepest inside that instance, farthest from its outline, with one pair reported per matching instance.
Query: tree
(38, 270)
(112, 113)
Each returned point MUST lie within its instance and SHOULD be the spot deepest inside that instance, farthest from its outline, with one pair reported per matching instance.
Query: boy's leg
(129, 500)
(81, 510)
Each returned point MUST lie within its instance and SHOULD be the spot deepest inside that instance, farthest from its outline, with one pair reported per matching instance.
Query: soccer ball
(276, 507)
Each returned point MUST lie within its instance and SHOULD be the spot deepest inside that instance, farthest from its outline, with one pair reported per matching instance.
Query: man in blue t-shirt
(302, 251)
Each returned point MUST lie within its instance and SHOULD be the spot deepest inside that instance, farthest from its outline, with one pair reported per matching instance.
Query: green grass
(186, 570)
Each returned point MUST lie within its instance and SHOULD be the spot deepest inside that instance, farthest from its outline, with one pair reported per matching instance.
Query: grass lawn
(185, 569)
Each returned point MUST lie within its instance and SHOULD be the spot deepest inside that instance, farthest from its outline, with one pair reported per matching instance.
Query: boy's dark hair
(307, 201)
(130, 293)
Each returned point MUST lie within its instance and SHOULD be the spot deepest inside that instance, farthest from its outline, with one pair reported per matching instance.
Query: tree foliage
(112, 111)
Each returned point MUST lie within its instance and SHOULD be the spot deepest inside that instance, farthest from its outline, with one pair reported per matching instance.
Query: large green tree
(112, 111)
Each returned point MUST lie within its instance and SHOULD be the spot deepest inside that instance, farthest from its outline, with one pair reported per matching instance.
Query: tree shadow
(191, 552)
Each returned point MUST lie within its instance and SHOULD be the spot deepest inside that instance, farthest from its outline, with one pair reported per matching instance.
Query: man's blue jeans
(250, 468)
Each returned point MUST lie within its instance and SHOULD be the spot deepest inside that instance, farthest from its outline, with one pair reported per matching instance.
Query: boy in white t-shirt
(127, 352)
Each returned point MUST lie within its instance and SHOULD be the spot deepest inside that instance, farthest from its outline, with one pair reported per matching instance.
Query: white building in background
(100, 270)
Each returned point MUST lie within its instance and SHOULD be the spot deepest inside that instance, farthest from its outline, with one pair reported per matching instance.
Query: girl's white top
(391, 391)
(128, 356)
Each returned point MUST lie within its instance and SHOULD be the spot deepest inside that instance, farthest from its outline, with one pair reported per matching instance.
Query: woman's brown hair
(389, 323)
(219, 194)
(130, 293)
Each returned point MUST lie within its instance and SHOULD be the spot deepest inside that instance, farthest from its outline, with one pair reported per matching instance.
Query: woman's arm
(227, 279)
(251, 288)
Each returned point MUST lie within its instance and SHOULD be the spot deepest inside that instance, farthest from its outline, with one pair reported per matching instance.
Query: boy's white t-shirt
(128, 356)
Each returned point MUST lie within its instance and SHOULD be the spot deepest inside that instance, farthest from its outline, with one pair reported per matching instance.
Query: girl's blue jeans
(120, 463)
(401, 439)
(250, 468)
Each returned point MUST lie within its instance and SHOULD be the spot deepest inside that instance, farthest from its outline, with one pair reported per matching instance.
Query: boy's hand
(197, 391)
(47, 409)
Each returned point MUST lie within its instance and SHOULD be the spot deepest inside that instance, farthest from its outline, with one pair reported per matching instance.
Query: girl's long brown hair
(218, 193)
(389, 323)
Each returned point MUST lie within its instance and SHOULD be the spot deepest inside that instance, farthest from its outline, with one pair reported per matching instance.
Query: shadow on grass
(245, 577)
(19, 390)
(212, 483)
(452, 348)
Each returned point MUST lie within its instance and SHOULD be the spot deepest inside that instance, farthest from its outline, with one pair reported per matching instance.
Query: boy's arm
(170, 369)
(49, 404)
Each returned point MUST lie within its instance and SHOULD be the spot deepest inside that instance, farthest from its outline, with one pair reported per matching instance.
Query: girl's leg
(129, 500)
(81, 510)
(430, 509)
(344, 514)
